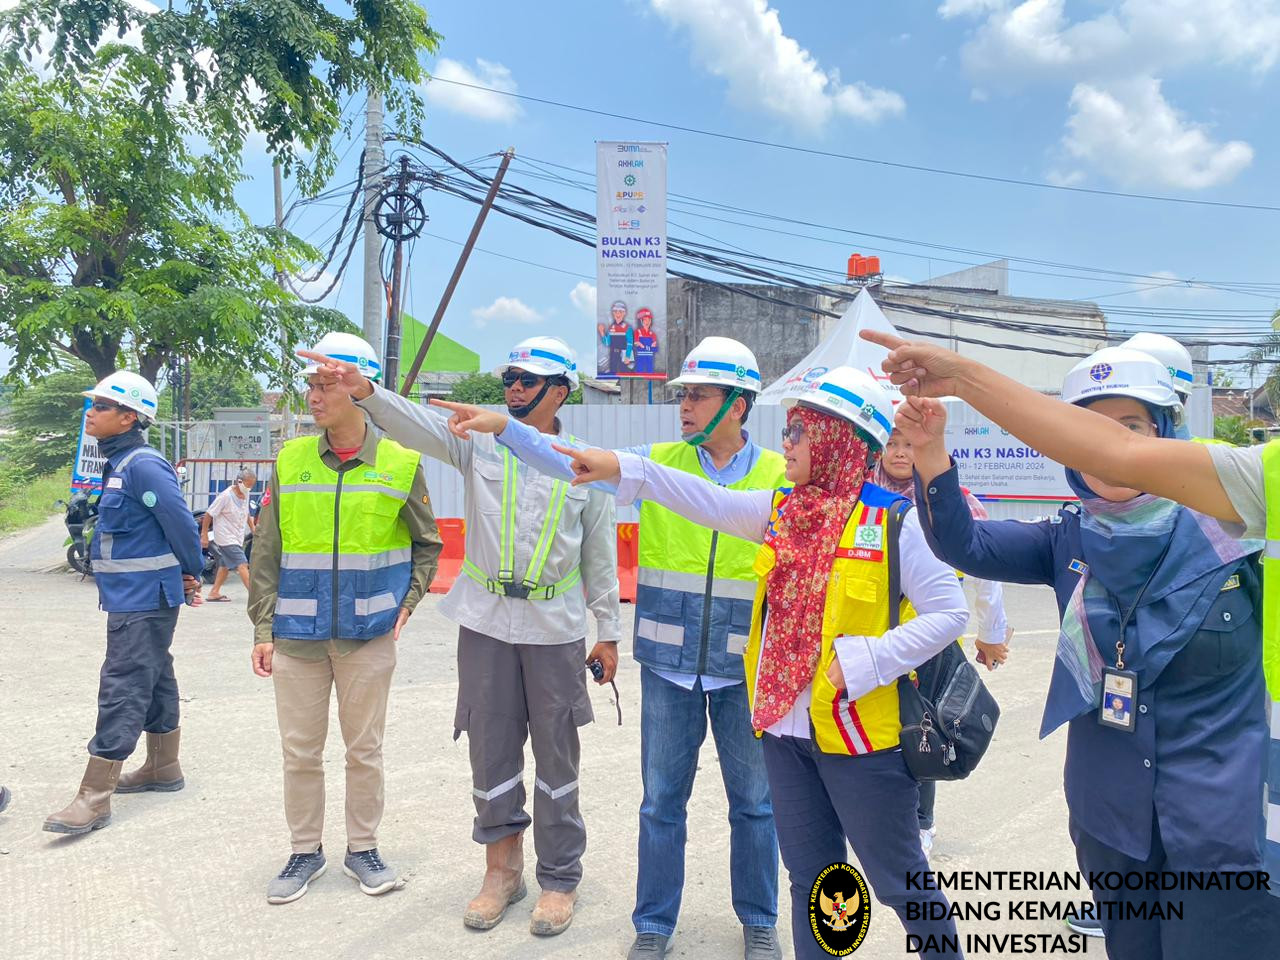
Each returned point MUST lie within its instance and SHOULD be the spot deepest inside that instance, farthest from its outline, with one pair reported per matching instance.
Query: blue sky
(1164, 97)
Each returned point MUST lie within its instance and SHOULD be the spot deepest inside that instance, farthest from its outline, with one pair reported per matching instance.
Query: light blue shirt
(534, 448)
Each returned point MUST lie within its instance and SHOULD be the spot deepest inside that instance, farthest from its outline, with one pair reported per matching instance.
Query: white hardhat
(1120, 372)
(720, 362)
(352, 349)
(545, 356)
(845, 392)
(129, 391)
(1170, 353)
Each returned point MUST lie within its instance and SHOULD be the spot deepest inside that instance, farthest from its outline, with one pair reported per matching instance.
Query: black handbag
(948, 715)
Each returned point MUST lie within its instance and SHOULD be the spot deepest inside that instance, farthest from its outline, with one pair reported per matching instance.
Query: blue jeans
(673, 724)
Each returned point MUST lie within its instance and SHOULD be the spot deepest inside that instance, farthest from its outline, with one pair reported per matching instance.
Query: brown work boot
(554, 912)
(160, 771)
(91, 809)
(503, 883)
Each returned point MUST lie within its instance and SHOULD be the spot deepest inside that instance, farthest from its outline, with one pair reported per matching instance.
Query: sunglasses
(102, 406)
(792, 432)
(526, 380)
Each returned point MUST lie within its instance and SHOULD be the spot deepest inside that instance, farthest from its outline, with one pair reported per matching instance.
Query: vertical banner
(631, 260)
(86, 473)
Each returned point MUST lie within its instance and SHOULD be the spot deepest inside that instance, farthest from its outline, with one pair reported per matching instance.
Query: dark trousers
(928, 796)
(137, 690)
(1215, 923)
(819, 801)
(509, 693)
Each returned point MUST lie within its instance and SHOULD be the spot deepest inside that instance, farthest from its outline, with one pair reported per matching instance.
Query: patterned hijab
(809, 529)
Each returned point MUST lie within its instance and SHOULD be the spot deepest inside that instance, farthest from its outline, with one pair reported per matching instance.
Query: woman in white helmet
(821, 661)
(1157, 670)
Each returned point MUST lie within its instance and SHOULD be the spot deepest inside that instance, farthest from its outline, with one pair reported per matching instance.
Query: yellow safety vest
(857, 604)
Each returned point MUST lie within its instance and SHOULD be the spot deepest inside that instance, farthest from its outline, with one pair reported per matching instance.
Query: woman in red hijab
(821, 660)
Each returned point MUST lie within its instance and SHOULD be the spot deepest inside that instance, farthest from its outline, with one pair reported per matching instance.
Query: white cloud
(313, 288)
(743, 42)
(506, 310)
(583, 297)
(1036, 39)
(481, 104)
(1128, 129)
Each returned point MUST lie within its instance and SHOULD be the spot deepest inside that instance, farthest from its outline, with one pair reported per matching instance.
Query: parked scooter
(81, 515)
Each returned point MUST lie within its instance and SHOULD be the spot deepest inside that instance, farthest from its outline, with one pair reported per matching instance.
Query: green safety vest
(346, 553)
(694, 586)
(1271, 570)
(529, 586)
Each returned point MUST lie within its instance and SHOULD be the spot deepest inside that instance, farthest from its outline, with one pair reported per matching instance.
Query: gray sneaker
(296, 876)
(760, 943)
(366, 866)
(649, 946)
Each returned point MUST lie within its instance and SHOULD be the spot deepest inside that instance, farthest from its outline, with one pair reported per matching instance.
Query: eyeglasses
(527, 380)
(694, 396)
(102, 406)
(792, 432)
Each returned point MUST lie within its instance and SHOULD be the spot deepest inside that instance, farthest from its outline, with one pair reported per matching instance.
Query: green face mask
(700, 437)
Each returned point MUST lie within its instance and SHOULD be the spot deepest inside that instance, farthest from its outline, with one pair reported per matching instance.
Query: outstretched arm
(739, 513)
(1071, 435)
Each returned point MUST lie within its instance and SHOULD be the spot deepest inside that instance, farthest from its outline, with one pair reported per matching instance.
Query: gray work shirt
(1240, 472)
(585, 534)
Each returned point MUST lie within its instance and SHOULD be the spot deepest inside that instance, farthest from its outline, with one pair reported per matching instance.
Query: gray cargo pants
(508, 692)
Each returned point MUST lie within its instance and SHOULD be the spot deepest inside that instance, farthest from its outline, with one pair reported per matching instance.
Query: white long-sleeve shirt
(867, 662)
(586, 535)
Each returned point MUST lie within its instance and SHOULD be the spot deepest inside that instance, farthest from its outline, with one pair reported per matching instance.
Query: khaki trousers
(363, 679)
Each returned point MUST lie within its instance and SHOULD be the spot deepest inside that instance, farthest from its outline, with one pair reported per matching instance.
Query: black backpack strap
(897, 514)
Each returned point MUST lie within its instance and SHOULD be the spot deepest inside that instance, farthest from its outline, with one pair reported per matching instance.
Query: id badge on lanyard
(1119, 707)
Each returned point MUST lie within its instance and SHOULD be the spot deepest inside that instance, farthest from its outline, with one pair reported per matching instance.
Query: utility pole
(391, 362)
(287, 407)
(457, 271)
(374, 294)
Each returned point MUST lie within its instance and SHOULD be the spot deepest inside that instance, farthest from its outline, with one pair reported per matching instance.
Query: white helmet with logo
(1170, 353)
(352, 349)
(1120, 372)
(545, 356)
(847, 393)
(129, 391)
(720, 362)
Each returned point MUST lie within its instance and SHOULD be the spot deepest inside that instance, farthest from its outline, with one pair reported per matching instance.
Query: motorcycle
(81, 515)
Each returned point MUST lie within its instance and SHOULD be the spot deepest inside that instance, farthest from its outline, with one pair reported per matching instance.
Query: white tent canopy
(844, 348)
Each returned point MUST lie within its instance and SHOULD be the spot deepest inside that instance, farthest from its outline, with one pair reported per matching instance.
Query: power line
(829, 154)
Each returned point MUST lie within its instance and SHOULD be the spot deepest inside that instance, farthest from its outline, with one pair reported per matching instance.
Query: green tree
(284, 67)
(1234, 429)
(485, 388)
(44, 419)
(118, 238)
(213, 385)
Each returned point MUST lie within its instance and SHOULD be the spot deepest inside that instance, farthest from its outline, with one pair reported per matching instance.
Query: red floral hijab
(809, 529)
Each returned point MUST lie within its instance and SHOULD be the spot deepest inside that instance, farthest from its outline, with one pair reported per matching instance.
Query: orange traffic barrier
(453, 532)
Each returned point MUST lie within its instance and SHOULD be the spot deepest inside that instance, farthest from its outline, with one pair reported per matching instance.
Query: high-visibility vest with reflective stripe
(694, 585)
(857, 604)
(346, 553)
(1271, 570)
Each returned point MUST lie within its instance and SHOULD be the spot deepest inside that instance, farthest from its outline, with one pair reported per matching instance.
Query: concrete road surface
(185, 874)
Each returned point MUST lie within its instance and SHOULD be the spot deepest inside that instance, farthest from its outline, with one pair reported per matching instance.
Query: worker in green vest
(693, 614)
(1240, 486)
(346, 546)
(540, 554)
